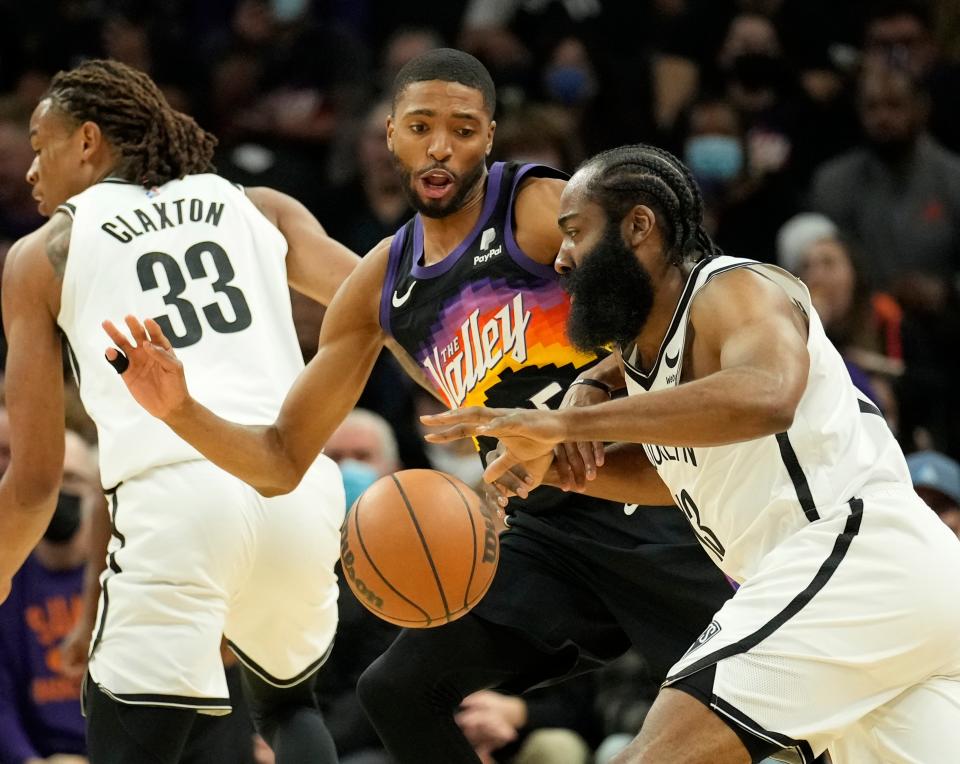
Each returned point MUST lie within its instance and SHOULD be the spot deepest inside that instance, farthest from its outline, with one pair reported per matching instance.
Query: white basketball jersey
(745, 498)
(199, 257)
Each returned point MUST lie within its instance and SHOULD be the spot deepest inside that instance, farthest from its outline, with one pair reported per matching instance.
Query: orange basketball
(419, 548)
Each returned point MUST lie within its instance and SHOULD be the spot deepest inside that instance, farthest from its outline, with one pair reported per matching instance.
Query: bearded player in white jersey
(842, 636)
(139, 223)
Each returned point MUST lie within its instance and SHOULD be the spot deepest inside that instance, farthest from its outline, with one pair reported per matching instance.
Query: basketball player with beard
(842, 634)
(467, 287)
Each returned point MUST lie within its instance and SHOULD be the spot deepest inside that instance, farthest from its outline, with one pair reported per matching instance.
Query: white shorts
(846, 639)
(197, 554)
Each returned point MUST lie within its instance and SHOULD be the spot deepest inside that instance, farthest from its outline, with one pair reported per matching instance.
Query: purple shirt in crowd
(39, 708)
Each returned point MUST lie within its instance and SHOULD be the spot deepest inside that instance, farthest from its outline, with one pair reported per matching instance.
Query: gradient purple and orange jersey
(487, 324)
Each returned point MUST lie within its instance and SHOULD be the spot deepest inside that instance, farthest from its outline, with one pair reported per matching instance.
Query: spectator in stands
(361, 212)
(898, 195)
(365, 448)
(898, 198)
(18, 210)
(862, 323)
(540, 133)
(901, 33)
(39, 708)
(936, 478)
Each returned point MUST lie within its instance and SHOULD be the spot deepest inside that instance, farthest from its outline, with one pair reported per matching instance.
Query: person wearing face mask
(744, 203)
(40, 717)
(365, 448)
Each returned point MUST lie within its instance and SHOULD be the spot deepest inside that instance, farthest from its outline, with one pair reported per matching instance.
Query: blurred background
(823, 135)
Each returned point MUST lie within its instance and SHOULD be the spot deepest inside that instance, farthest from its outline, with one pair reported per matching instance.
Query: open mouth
(436, 183)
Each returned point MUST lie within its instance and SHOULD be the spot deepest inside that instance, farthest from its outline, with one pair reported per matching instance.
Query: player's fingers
(167, 360)
(156, 334)
(495, 496)
(117, 337)
(117, 360)
(586, 453)
(598, 453)
(578, 470)
(456, 432)
(497, 468)
(510, 483)
(468, 415)
(137, 331)
(562, 466)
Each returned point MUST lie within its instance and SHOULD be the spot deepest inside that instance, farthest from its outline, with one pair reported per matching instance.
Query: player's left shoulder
(739, 292)
(51, 241)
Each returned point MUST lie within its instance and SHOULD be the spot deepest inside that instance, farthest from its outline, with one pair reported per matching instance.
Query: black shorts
(699, 685)
(640, 580)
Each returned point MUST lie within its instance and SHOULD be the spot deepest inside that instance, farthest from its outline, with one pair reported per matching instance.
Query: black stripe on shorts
(823, 575)
(253, 666)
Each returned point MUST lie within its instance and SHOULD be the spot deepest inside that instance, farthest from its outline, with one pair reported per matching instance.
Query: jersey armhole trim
(390, 277)
(513, 249)
(70, 209)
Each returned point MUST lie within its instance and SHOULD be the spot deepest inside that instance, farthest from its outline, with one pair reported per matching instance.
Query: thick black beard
(612, 295)
(434, 208)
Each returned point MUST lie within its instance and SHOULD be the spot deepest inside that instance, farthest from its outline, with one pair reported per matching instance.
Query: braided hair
(155, 142)
(623, 177)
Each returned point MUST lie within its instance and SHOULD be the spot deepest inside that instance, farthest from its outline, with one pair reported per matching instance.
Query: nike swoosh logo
(672, 362)
(398, 300)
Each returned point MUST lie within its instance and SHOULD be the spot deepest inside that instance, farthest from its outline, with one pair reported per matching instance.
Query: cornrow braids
(642, 174)
(156, 143)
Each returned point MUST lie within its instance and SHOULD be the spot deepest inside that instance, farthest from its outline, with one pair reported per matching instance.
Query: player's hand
(490, 720)
(527, 435)
(150, 369)
(74, 650)
(519, 479)
(576, 463)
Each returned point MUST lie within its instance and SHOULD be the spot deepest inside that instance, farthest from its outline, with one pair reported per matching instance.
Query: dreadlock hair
(447, 65)
(626, 176)
(156, 143)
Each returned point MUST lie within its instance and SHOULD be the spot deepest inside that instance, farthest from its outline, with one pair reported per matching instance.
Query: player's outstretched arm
(316, 263)
(753, 365)
(626, 476)
(34, 392)
(270, 458)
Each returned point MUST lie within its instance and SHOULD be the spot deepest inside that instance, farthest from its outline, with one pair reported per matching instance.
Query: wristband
(593, 383)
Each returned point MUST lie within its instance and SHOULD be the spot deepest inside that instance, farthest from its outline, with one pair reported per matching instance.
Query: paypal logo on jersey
(486, 239)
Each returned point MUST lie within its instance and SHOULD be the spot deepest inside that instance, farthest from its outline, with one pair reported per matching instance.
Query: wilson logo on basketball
(348, 560)
(458, 367)
(490, 545)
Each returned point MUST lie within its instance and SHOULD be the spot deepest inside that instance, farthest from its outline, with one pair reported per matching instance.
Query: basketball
(419, 548)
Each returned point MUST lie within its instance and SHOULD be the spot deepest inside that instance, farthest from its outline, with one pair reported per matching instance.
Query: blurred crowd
(822, 134)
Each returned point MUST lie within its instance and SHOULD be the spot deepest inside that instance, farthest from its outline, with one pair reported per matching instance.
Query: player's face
(58, 170)
(611, 292)
(440, 134)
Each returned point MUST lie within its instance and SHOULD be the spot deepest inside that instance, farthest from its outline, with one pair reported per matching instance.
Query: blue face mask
(288, 10)
(714, 158)
(569, 85)
(357, 478)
